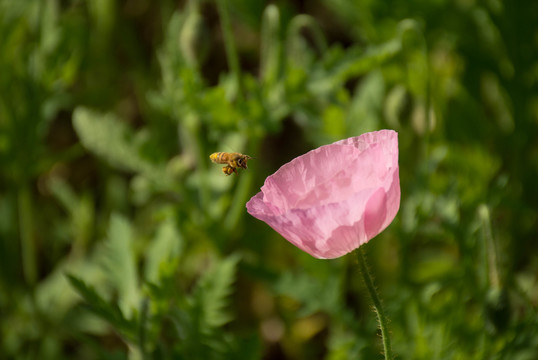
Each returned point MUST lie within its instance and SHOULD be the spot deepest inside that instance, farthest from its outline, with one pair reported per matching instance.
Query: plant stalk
(27, 236)
(229, 43)
(382, 319)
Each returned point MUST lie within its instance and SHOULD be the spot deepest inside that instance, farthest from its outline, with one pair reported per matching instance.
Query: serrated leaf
(199, 317)
(104, 309)
(55, 292)
(165, 247)
(212, 291)
(106, 136)
(120, 263)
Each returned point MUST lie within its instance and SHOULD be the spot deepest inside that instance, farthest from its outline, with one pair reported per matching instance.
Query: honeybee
(233, 161)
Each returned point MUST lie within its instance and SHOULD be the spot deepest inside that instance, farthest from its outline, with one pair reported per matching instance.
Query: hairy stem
(383, 321)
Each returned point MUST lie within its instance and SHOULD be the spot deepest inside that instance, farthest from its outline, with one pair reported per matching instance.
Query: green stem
(26, 229)
(492, 278)
(241, 195)
(229, 43)
(383, 321)
(144, 305)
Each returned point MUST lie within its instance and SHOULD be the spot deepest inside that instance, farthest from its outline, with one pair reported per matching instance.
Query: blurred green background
(120, 240)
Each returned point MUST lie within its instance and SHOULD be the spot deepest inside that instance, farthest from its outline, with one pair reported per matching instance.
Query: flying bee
(233, 161)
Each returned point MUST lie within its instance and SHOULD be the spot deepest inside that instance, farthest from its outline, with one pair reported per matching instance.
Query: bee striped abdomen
(219, 157)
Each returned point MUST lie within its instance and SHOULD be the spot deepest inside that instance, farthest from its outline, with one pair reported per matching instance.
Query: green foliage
(107, 137)
(194, 320)
(111, 312)
(108, 113)
(120, 263)
(211, 292)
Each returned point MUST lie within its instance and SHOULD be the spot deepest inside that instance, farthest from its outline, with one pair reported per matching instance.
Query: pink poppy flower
(335, 198)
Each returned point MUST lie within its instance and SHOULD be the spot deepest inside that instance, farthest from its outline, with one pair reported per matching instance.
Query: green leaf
(334, 122)
(212, 291)
(199, 317)
(120, 263)
(166, 246)
(271, 48)
(314, 293)
(344, 66)
(366, 106)
(106, 136)
(305, 41)
(104, 309)
(80, 209)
